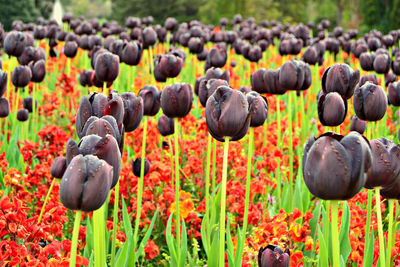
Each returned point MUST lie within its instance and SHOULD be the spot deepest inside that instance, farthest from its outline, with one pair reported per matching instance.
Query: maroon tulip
(149, 36)
(58, 167)
(335, 166)
(38, 70)
(167, 66)
(106, 67)
(151, 100)
(311, 55)
(27, 103)
(370, 102)
(176, 100)
(368, 78)
(216, 57)
(26, 56)
(4, 107)
(195, 45)
(70, 49)
(294, 75)
(332, 108)
(390, 77)
(382, 63)
(171, 24)
(133, 111)
(165, 126)
(227, 114)
(136, 166)
(217, 73)
(394, 94)
(258, 108)
(14, 43)
(208, 87)
(273, 256)
(367, 61)
(132, 53)
(21, 76)
(396, 66)
(101, 127)
(85, 77)
(3, 82)
(357, 125)
(86, 183)
(340, 78)
(22, 115)
(392, 192)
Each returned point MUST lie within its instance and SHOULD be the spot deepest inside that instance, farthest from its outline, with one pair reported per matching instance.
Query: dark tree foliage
(24, 10)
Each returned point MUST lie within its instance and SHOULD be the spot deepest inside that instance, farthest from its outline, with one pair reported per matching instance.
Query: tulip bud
(340, 78)
(176, 100)
(370, 102)
(86, 183)
(335, 166)
(357, 125)
(21, 76)
(58, 167)
(3, 82)
(292, 75)
(382, 63)
(4, 107)
(332, 109)
(394, 94)
(165, 126)
(171, 24)
(151, 100)
(85, 77)
(133, 111)
(217, 57)
(70, 49)
(28, 103)
(208, 87)
(22, 115)
(14, 43)
(167, 66)
(136, 167)
(106, 67)
(258, 108)
(273, 256)
(38, 70)
(368, 78)
(132, 53)
(311, 55)
(227, 114)
(195, 45)
(149, 37)
(367, 61)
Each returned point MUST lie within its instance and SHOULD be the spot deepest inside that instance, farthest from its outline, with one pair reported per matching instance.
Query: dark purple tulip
(388, 40)
(70, 49)
(245, 89)
(165, 125)
(217, 57)
(83, 42)
(252, 53)
(203, 55)
(340, 78)
(133, 111)
(58, 167)
(195, 45)
(382, 63)
(368, 78)
(149, 36)
(374, 43)
(22, 115)
(357, 125)
(132, 53)
(208, 87)
(136, 166)
(258, 82)
(273, 256)
(167, 66)
(14, 43)
(176, 100)
(311, 55)
(27, 103)
(227, 114)
(3, 82)
(38, 70)
(151, 100)
(86, 183)
(396, 65)
(197, 84)
(394, 94)
(114, 107)
(106, 67)
(385, 168)
(4, 107)
(390, 77)
(258, 108)
(132, 22)
(335, 166)
(21, 76)
(27, 55)
(217, 73)
(367, 61)
(85, 77)
(370, 102)
(101, 127)
(171, 24)
(292, 75)
(83, 114)
(332, 109)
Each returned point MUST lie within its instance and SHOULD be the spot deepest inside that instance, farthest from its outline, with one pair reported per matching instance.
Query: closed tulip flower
(391, 192)
(217, 73)
(370, 102)
(227, 114)
(245, 89)
(292, 75)
(340, 78)
(151, 100)
(86, 183)
(106, 67)
(4, 107)
(21, 76)
(394, 94)
(368, 78)
(367, 61)
(85, 77)
(396, 66)
(136, 167)
(149, 36)
(382, 63)
(26, 56)
(385, 168)
(335, 166)
(133, 111)
(167, 66)
(165, 125)
(216, 57)
(58, 167)
(132, 53)
(14, 43)
(3, 82)
(38, 70)
(22, 115)
(332, 109)
(195, 45)
(27, 103)
(311, 55)
(258, 108)
(70, 49)
(176, 100)
(273, 256)
(101, 127)
(208, 87)
(357, 125)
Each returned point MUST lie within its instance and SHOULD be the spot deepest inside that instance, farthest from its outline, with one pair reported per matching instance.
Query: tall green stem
(223, 203)
(335, 234)
(390, 233)
(290, 148)
(99, 237)
(172, 160)
(214, 170)
(279, 144)
(178, 221)
(75, 235)
(115, 223)
(367, 229)
(380, 230)
(46, 199)
(208, 175)
(105, 89)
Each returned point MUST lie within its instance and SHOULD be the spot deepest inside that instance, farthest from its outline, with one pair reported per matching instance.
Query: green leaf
(323, 252)
(368, 260)
(230, 251)
(214, 252)
(314, 220)
(345, 248)
(144, 240)
(183, 245)
(122, 254)
(126, 219)
(204, 234)
(171, 243)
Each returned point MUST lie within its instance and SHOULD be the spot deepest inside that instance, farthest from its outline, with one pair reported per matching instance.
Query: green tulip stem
(140, 187)
(290, 147)
(68, 66)
(265, 133)
(75, 235)
(178, 222)
(99, 237)
(390, 233)
(367, 229)
(171, 154)
(168, 41)
(223, 204)
(46, 199)
(279, 144)
(335, 234)
(380, 230)
(214, 170)
(105, 89)
(209, 148)
(115, 223)
(151, 63)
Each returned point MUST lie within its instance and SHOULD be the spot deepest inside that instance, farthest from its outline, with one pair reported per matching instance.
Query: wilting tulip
(22, 115)
(273, 256)
(3, 82)
(382, 63)
(133, 111)
(38, 70)
(368, 78)
(208, 87)
(340, 78)
(58, 167)
(394, 94)
(165, 126)
(357, 125)
(21, 76)
(14, 43)
(4, 107)
(332, 108)
(370, 102)
(167, 66)
(151, 100)
(106, 67)
(227, 114)
(216, 57)
(385, 168)
(335, 166)
(176, 100)
(70, 49)
(136, 167)
(86, 183)
(132, 53)
(367, 61)
(258, 108)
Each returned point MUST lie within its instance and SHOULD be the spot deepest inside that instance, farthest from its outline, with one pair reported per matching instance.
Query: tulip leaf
(183, 253)
(89, 236)
(122, 254)
(230, 251)
(126, 219)
(144, 240)
(204, 234)
(239, 250)
(345, 248)
(314, 220)
(323, 251)
(298, 196)
(214, 252)
(171, 243)
(368, 259)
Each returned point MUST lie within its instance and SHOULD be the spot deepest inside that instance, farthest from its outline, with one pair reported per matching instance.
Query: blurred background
(362, 14)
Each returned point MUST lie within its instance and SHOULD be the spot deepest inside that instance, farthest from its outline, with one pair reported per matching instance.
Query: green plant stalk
(171, 154)
(265, 133)
(115, 223)
(75, 235)
(279, 144)
(290, 148)
(335, 234)
(390, 233)
(178, 223)
(168, 41)
(151, 63)
(46, 199)
(99, 237)
(380, 230)
(105, 89)
(326, 222)
(214, 170)
(208, 177)
(367, 229)
(140, 187)
(223, 204)
(68, 66)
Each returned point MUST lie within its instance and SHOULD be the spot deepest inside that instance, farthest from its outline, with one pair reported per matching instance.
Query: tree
(24, 10)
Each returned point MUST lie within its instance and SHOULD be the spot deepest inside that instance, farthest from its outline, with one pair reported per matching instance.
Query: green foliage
(380, 14)
(24, 10)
